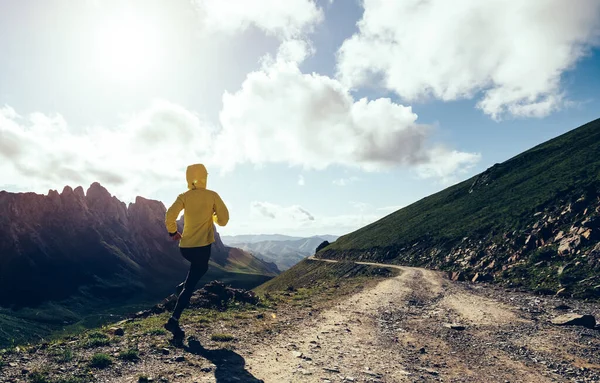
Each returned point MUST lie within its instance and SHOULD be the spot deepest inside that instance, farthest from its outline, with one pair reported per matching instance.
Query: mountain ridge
(285, 253)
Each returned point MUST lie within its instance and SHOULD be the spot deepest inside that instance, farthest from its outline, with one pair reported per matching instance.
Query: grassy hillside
(312, 274)
(550, 188)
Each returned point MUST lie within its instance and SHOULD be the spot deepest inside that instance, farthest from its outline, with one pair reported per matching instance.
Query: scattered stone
(455, 326)
(479, 277)
(422, 350)
(213, 295)
(573, 319)
(428, 370)
(297, 354)
(562, 307)
(206, 369)
(457, 276)
(333, 370)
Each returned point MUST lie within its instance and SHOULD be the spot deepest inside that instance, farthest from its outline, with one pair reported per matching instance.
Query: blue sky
(312, 117)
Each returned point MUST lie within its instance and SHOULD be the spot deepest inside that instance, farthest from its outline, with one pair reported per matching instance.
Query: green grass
(131, 355)
(310, 277)
(63, 355)
(222, 337)
(100, 361)
(95, 339)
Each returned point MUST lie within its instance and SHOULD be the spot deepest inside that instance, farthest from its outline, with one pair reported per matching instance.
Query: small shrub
(131, 355)
(100, 360)
(143, 379)
(97, 335)
(64, 356)
(96, 339)
(222, 337)
(39, 377)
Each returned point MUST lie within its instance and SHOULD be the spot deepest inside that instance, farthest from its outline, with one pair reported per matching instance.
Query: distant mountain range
(532, 221)
(253, 238)
(284, 251)
(86, 248)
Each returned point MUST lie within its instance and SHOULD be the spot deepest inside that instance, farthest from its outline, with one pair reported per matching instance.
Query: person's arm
(171, 216)
(220, 212)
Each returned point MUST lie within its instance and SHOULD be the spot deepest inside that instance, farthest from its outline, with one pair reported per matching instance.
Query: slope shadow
(230, 365)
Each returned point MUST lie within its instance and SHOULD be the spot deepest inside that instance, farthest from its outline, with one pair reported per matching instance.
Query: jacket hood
(196, 176)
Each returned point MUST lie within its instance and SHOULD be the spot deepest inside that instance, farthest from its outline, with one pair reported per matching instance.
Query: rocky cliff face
(54, 246)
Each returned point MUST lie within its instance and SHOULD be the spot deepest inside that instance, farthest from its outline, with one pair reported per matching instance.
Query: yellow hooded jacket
(201, 208)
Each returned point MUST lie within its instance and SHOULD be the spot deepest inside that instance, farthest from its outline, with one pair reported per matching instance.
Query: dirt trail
(399, 331)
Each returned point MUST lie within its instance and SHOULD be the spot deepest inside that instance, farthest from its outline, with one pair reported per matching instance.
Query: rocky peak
(79, 192)
(54, 197)
(67, 190)
(97, 193)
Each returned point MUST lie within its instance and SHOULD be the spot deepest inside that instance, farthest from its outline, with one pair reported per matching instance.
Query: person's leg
(199, 258)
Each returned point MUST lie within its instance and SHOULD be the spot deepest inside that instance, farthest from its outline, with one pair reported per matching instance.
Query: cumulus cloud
(345, 181)
(283, 19)
(281, 115)
(43, 151)
(512, 52)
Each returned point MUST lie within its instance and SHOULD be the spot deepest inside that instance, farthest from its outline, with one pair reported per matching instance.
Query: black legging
(198, 258)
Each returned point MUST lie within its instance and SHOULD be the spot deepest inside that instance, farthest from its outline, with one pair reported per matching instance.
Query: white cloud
(345, 181)
(269, 210)
(267, 217)
(43, 151)
(513, 51)
(281, 115)
(447, 166)
(283, 19)
(301, 180)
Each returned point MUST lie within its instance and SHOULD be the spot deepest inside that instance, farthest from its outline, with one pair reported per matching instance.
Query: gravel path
(420, 327)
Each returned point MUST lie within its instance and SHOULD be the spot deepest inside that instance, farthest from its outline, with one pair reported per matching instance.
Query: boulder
(569, 244)
(573, 319)
(117, 331)
(480, 277)
(457, 276)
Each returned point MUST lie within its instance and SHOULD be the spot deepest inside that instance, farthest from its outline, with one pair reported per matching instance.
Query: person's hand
(176, 237)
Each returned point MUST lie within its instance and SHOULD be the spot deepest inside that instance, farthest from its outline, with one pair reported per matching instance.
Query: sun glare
(127, 47)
